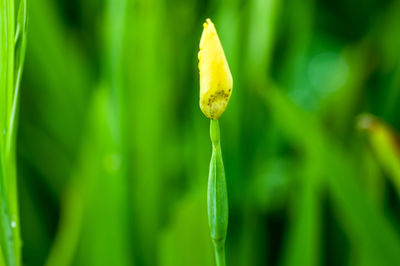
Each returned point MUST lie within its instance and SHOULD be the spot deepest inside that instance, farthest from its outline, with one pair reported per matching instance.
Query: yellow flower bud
(215, 76)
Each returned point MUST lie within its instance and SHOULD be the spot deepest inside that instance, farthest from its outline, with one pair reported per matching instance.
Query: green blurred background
(113, 149)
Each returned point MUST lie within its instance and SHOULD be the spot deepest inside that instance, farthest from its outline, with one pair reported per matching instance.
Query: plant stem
(217, 197)
(214, 133)
(219, 248)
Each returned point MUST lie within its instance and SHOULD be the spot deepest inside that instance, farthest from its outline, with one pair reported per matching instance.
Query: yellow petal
(215, 76)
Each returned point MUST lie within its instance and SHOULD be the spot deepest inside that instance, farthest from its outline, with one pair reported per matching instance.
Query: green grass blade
(12, 54)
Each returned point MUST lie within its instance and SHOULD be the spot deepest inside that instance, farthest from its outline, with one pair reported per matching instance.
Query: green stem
(214, 133)
(219, 249)
(217, 197)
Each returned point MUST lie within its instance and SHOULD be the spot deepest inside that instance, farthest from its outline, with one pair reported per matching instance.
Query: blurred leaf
(185, 240)
(105, 198)
(359, 218)
(385, 144)
(365, 225)
(69, 229)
